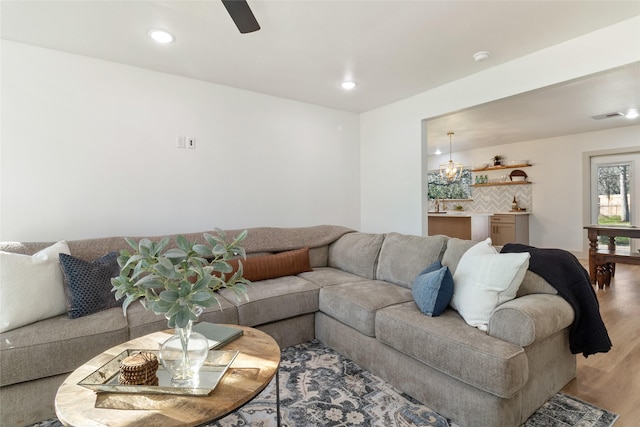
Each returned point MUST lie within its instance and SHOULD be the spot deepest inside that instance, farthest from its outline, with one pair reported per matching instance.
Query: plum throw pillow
(265, 267)
(88, 284)
(31, 287)
(432, 289)
(484, 279)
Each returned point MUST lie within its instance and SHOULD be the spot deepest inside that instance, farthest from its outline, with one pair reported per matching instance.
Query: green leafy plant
(176, 281)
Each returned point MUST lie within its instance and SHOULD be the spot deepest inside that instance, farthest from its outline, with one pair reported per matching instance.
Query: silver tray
(105, 378)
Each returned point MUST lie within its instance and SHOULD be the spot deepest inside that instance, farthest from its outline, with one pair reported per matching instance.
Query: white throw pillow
(31, 287)
(484, 279)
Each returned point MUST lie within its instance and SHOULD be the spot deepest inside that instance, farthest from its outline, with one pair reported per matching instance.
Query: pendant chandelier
(451, 171)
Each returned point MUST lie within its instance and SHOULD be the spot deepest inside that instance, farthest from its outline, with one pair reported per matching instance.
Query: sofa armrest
(530, 318)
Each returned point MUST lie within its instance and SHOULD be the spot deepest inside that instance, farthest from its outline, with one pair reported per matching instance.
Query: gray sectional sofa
(358, 301)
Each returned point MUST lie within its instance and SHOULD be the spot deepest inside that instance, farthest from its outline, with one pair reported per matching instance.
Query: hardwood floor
(612, 380)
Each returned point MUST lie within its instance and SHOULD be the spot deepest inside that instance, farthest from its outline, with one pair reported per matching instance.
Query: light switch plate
(191, 143)
(181, 142)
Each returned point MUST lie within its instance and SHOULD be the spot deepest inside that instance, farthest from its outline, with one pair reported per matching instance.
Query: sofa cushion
(356, 253)
(288, 263)
(355, 304)
(87, 285)
(433, 288)
(454, 251)
(448, 344)
(402, 257)
(319, 257)
(31, 287)
(327, 276)
(274, 299)
(535, 284)
(484, 279)
(58, 345)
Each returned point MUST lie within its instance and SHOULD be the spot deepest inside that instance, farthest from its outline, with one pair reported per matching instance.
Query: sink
(436, 213)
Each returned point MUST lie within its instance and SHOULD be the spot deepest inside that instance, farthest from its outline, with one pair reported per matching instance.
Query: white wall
(392, 160)
(88, 149)
(76, 131)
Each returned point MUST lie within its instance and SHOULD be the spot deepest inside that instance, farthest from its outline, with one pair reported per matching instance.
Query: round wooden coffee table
(248, 375)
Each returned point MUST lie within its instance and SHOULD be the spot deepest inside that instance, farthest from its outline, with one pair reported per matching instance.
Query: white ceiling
(393, 49)
(562, 109)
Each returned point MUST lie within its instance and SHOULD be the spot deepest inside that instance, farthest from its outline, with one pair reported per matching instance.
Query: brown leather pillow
(287, 263)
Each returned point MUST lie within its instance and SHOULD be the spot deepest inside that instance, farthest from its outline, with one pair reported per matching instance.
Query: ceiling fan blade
(242, 16)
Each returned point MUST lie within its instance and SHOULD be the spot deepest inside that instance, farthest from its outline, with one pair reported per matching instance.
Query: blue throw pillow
(88, 284)
(432, 289)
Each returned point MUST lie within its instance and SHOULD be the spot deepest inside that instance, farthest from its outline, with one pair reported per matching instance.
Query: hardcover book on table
(217, 335)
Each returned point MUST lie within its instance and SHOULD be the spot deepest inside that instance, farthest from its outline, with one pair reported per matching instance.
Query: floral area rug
(319, 387)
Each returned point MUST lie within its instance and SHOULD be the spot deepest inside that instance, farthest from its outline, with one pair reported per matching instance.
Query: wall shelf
(495, 168)
(490, 184)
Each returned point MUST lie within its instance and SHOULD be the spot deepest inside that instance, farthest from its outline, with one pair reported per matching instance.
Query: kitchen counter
(474, 213)
(459, 213)
(513, 213)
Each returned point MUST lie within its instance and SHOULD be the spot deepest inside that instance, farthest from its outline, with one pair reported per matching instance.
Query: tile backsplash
(494, 199)
(500, 197)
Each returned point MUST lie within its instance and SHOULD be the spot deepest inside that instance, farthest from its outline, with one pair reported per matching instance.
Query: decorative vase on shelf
(183, 354)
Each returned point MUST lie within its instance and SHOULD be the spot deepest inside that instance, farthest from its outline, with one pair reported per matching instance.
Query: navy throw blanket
(563, 271)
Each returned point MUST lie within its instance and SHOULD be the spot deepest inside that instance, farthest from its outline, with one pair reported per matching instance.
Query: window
(613, 188)
(439, 188)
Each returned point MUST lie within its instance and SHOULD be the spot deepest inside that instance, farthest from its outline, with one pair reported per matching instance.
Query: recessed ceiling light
(438, 152)
(632, 113)
(483, 55)
(348, 85)
(608, 115)
(161, 36)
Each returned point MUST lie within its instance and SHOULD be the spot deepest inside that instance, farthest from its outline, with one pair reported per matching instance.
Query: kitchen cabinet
(509, 228)
(468, 226)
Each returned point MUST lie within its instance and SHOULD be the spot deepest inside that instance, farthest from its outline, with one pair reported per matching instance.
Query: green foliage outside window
(439, 188)
(615, 180)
